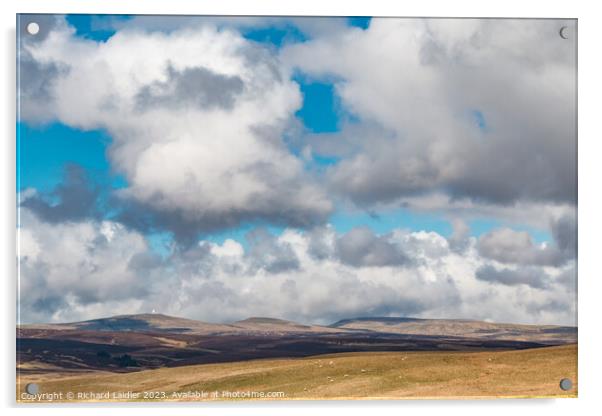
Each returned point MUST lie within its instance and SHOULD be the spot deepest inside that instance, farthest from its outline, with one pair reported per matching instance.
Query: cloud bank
(88, 269)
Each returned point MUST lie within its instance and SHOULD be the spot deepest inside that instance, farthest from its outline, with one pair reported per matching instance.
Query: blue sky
(95, 27)
(321, 111)
(44, 150)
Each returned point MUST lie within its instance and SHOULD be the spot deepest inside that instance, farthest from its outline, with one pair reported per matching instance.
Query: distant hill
(272, 325)
(461, 328)
(159, 323)
(141, 323)
(156, 340)
(173, 325)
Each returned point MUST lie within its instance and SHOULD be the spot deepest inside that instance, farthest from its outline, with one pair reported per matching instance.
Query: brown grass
(370, 375)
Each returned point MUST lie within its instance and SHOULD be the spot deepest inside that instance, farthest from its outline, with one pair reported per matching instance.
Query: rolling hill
(159, 323)
(546, 334)
(133, 342)
(366, 375)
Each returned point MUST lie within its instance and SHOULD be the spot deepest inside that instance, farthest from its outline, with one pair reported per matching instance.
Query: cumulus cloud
(85, 269)
(321, 242)
(196, 116)
(191, 87)
(269, 253)
(568, 278)
(361, 247)
(564, 230)
(483, 109)
(533, 277)
(66, 265)
(509, 246)
(74, 198)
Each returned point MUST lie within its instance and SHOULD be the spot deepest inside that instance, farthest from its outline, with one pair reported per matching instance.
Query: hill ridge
(146, 316)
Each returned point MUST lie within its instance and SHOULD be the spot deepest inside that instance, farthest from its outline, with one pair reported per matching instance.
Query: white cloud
(196, 116)
(66, 265)
(421, 87)
(510, 246)
(70, 271)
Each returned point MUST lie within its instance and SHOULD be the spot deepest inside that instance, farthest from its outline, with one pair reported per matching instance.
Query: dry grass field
(367, 375)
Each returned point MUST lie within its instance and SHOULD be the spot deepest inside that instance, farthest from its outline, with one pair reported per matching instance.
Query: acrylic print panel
(283, 208)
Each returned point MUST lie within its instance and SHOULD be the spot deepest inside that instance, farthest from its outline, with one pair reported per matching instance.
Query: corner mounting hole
(33, 28)
(566, 384)
(32, 388)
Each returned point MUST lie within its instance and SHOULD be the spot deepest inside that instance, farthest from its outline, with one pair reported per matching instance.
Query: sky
(304, 168)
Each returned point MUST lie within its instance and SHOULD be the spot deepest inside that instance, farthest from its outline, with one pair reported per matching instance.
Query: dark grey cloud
(499, 171)
(361, 247)
(75, 198)
(564, 230)
(530, 276)
(34, 84)
(320, 244)
(144, 261)
(187, 229)
(199, 87)
(34, 91)
(522, 164)
(516, 247)
(266, 252)
(49, 304)
(190, 261)
(145, 219)
(378, 173)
